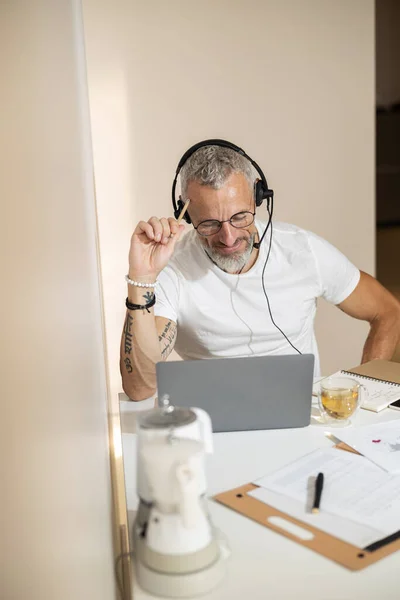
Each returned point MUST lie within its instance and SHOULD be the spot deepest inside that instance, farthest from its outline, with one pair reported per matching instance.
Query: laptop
(240, 394)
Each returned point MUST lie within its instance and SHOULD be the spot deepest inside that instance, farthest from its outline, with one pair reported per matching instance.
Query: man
(220, 295)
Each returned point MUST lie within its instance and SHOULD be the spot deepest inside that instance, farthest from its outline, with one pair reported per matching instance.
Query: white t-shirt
(220, 315)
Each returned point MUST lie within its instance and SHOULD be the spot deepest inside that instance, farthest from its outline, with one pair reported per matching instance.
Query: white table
(264, 564)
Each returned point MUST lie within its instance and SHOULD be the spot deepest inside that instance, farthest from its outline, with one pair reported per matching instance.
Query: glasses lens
(242, 219)
(208, 227)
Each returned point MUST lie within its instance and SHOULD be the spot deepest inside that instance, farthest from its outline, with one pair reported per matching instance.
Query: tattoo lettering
(128, 365)
(128, 335)
(167, 339)
(165, 332)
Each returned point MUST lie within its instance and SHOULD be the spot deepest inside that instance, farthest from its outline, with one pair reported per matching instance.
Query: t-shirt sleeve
(167, 295)
(338, 276)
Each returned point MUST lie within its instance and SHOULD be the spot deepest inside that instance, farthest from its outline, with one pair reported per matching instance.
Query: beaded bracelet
(139, 283)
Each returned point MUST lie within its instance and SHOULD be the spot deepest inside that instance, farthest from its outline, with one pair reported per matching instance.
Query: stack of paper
(379, 442)
(360, 502)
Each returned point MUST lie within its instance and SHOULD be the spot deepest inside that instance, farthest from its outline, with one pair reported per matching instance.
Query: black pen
(319, 484)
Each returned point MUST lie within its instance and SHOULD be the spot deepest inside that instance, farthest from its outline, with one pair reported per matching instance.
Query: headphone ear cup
(262, 193)
(179, 207)
(259, 192)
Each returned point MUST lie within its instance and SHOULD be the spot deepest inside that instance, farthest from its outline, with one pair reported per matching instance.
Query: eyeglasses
(240, 220)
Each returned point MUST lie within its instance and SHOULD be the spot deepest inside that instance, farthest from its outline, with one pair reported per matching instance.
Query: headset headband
(262, 190)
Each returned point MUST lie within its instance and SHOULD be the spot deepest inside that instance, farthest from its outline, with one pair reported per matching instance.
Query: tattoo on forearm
(128, 365)
(148, 296)
(167, 339)
(128, 335)
(164, 334)
(167, 350)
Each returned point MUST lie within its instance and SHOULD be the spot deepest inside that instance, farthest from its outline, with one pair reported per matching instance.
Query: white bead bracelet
(139, 284)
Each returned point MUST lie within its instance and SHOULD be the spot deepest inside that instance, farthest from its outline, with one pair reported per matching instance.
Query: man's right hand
(152, 245)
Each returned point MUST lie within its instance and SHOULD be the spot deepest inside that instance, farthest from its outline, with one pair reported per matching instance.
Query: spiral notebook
(381, 378)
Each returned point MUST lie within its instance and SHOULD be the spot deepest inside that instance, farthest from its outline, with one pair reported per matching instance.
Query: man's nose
(228, 234)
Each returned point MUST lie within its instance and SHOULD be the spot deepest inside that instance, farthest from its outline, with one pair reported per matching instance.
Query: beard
(235, 262)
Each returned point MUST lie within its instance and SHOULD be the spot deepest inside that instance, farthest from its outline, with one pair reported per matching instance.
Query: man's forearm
(140, 348)
(152, 246)
(383, 338)
(144, 343)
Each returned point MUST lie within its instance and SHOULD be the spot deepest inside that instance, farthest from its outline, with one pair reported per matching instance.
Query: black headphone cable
(269, 224)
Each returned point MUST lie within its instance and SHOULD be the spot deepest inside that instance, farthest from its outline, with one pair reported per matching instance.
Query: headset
(261, 190)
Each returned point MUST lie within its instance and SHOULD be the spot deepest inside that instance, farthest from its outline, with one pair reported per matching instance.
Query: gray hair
(212, 165)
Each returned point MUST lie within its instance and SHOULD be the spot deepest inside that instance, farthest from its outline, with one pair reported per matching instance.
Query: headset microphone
(256, 245)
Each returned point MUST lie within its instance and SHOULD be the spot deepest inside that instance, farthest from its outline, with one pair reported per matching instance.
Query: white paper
(343, 529)
(354, 488)
(379, 393)
(379, 442)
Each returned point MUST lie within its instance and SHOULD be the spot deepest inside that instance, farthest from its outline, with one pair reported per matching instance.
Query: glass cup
(339, 400)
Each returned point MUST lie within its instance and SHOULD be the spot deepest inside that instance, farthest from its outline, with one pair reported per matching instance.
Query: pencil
(319, 484)
(183, 211)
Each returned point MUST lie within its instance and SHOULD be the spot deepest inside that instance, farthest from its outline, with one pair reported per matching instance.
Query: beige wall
(55, 515)
(291, 81)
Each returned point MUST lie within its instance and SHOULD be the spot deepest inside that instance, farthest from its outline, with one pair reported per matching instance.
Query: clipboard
(343, 553)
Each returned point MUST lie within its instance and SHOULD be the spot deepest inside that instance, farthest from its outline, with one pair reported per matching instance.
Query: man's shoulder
(288, 229)
(290, 236)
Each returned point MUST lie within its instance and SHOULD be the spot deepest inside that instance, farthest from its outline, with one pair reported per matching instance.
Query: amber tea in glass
(339, 399)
